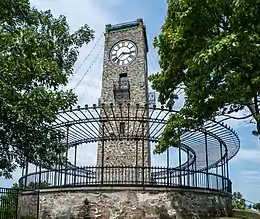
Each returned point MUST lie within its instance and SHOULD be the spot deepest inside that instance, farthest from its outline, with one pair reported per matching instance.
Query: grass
(243, 214)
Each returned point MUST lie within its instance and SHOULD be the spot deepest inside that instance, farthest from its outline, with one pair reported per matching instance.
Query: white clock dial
(123, 52)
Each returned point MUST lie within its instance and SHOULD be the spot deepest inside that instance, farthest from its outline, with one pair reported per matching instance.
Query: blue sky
(244, 168)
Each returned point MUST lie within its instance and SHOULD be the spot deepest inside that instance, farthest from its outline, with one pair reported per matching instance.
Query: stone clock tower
(124, 82)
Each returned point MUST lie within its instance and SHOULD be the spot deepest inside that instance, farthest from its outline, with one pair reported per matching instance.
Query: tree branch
(238, 118)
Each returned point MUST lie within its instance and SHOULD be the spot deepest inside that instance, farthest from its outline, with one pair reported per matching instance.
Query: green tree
(256, 206)
(8, 202)
(209, 50)
(37, 55)
(238, 202)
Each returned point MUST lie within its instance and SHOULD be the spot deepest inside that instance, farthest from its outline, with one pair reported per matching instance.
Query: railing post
(188, 160)
(136, 161)
(40, 174)
(230, 186)
(222, 171)
(217, 175)
(207, 161)
(224, 166)
(143, 153)
(103, 153)
(168, 177)
(180, 175)
(59, 171)
(67, 148)
(26, 174)
(55, 174)
(36, 175)
(75, 164)
(227, 174)
(23, 171)
(195, 172)
(47, 177)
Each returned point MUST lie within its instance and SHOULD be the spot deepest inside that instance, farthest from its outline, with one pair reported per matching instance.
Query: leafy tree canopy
(238, 202)
(209, 50)
(256, 206)
(38, 185)
(37, 55)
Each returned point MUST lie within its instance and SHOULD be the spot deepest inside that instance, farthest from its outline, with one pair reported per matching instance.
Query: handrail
(125, 176)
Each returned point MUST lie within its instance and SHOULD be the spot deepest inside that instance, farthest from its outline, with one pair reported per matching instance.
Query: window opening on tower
(122, 128)
(123, 81)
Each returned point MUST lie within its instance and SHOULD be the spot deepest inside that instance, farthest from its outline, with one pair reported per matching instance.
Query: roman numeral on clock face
(131, 56)
(114, 59)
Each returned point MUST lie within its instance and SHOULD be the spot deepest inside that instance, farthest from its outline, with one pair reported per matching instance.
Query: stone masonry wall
(28, 205)
(123, 152)
(130, 205)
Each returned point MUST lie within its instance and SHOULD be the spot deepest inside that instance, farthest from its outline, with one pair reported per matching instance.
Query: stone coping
(125, 188)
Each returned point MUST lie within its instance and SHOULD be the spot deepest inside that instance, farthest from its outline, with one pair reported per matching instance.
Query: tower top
(127, 25)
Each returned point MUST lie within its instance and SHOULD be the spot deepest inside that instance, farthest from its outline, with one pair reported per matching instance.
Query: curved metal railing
(222, 140)
(125, 176)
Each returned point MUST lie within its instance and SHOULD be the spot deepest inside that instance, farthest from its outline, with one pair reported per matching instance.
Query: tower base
(125, 202)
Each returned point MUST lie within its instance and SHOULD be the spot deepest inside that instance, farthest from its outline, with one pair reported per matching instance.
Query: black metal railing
(125, 176)
(9, 203)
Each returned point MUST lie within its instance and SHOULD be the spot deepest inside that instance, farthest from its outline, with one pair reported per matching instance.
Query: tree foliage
(38, 185)
(256, 206)
(238, 202)
(37, 55)
(210, 51)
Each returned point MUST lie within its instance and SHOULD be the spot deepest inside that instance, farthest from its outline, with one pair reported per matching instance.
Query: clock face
(123, 52)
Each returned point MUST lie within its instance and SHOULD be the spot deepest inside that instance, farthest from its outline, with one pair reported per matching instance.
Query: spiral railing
(207, 150)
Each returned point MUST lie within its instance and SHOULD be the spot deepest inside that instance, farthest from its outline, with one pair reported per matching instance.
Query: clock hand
(129, 52)
(123, 53)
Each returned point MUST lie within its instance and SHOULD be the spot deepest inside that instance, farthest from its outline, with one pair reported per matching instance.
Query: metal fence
(9, 203)
(203, 165)
(125, 176)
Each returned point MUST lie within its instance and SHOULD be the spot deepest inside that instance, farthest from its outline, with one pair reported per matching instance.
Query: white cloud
(251, 173)
(94, 14)
(79, 12)
(248, 183)
(237, 123)
(86, 154)
(249, 155)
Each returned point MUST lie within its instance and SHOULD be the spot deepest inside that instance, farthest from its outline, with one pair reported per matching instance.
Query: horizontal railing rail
(125, 176)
